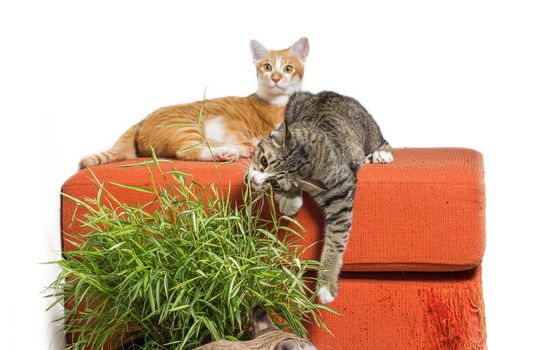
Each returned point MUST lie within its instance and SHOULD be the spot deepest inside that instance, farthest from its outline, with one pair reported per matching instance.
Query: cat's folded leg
(209, 153)
(246, 151)
(223, 153)
(228, 152)
(289, 203)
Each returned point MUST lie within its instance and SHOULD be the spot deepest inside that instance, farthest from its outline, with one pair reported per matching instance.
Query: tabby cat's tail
(124, 148)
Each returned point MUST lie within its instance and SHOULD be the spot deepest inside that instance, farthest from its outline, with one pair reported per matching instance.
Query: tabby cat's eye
(288, 69)
(264, 162)
(267, 67)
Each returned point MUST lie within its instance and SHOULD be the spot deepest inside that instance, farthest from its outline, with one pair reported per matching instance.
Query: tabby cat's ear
(261, 321)
(300, 48)
(313, 183)
(281, 136)
(258, 50)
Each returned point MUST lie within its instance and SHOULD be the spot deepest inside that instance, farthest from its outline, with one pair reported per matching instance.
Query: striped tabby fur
(319, 149)
(266, 337)
(231, 125)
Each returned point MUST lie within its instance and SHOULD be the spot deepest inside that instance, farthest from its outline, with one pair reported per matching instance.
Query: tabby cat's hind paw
(325, 296)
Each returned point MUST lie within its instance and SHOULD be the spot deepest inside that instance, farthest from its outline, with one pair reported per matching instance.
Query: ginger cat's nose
(275, 78)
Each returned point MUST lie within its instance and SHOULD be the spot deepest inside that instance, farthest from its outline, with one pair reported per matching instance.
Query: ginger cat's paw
(225, 153)
(288, 205)
(86, 163)
(90, 161)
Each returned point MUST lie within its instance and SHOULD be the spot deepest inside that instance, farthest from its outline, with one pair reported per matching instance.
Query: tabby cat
(319, 149)
(266, 337)
(232, 125)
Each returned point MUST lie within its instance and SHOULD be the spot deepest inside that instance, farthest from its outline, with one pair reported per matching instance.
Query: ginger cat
(231, 125)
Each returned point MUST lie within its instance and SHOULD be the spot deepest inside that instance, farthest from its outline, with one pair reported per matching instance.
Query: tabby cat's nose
(275, 78)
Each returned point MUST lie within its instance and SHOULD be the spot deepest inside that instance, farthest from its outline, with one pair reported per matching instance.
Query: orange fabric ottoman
(411, 275)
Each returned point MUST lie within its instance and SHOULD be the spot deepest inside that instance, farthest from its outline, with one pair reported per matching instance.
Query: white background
(74, 75)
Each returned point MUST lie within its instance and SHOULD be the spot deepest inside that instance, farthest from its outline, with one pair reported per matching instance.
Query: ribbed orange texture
(423, 212)
(406, 311)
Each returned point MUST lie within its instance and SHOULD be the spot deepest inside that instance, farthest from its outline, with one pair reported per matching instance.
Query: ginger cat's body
(230, 122)
(232, 126)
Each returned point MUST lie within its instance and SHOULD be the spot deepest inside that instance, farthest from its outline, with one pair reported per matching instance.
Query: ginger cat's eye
(264, 162)
(288, 69)
(267, 67)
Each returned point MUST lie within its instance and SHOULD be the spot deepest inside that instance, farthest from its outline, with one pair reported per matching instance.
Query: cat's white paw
(382, 157)
(289, 206)
(324, 295)
(226, 154)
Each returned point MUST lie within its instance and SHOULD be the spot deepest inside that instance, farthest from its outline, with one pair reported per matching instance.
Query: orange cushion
(410, 310)
(423, 212)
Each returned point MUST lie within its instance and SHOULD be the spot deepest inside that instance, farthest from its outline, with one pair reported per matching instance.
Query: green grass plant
(181, 270)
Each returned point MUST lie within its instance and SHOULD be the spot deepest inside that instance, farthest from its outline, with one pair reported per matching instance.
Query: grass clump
(184, 269)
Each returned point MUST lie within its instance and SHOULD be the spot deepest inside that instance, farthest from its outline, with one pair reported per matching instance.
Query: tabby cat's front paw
(327, 293)
(382, 157)
(288, 205)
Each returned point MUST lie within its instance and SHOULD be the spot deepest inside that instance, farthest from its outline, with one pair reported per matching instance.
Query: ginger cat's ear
(258, 50)
(300, 49)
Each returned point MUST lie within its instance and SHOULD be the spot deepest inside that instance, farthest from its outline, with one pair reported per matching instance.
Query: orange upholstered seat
(423, 212)
(409, 311)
